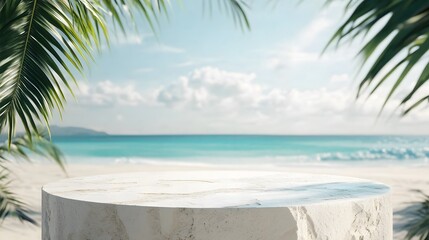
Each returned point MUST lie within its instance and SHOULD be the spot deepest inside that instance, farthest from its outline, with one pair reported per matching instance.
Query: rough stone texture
(227, 205)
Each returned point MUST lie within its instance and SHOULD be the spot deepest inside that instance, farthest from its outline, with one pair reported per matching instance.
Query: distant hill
(74, 131)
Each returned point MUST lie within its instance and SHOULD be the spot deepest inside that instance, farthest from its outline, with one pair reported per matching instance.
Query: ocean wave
(417, 155)
(397, 154)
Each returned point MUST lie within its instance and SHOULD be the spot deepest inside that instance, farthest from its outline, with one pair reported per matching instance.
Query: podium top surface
(215, 189)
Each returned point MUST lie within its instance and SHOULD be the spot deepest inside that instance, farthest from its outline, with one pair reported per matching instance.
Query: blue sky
(201, 74)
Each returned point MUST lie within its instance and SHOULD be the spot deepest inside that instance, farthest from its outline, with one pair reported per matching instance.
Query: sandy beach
(29, 178)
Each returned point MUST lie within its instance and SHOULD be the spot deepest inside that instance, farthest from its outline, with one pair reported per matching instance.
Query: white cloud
(185, 64)
(238, 96)
(130, 39)
(340, 78)
(307, 46)
(296, 51)
(196, 62)
(312, 32)
(210, 87)
(162, 48)
(107, 93)
(217, 101)
(290, 56)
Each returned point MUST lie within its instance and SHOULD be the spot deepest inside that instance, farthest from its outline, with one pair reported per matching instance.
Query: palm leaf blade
(405, 33)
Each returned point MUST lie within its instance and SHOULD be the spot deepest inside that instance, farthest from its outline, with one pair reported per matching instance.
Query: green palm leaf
(415, 218)
(19, 148)
(10, 205)
(44, 43)
(398, 46)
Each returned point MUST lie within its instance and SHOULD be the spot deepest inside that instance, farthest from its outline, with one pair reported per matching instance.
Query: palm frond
(10, 205)
(22, 148)
(39, 40)
(417, 224)
(237, 9)
(44, 43)
(398, 46)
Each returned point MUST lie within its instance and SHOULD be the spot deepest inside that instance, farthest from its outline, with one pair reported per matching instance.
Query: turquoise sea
(246, 149)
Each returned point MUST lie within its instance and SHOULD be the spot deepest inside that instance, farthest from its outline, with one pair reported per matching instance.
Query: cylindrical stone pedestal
(216, 205)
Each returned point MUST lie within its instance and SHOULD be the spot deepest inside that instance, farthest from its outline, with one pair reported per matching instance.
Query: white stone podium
(216, 205)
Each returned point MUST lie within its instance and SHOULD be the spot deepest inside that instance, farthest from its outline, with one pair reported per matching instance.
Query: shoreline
(29, 178)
